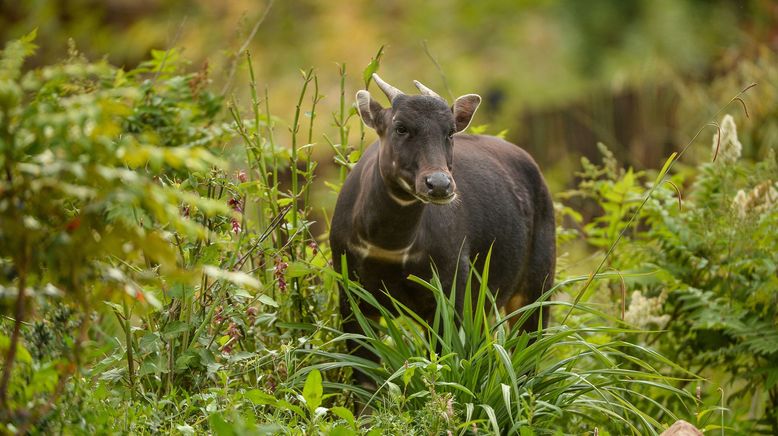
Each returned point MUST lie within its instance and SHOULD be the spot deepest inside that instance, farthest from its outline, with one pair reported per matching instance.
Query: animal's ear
(464, 109)
(369, 109)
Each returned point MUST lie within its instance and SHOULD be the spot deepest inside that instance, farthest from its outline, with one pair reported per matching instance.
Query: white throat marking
(367, 250)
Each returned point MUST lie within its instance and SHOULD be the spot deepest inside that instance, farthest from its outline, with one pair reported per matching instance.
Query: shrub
(88, 206)
(702, 269)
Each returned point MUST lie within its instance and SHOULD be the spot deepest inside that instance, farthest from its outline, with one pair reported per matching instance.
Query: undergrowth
(162, 291)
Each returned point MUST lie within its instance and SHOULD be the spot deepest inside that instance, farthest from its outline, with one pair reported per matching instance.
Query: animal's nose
(439, 184)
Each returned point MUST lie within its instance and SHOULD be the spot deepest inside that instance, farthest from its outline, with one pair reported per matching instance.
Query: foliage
(168, 293)
(112, 195)
(558, 74)
(537, 42)
(704, 268)
(760, 120)
(497, 378)
(89, 196)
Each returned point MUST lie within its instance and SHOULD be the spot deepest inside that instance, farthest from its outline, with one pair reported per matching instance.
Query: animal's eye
(400, 130)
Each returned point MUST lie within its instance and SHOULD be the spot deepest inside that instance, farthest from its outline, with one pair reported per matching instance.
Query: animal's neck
(386, 220)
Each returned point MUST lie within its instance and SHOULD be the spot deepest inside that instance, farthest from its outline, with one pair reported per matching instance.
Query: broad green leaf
(185, 360)
(259, 397)
(117, 307)
(185, 429)
(408, 375)
(313, 390)
(44, 380)
(372, 67)
(342, 431)
(241, 355)
(113, 375)
(283, 404)
(298, 269)
(236, 277)
(174, 329)
(344, 414)
(148, 367)
(219, 426)
(182, 291)
(266, 300)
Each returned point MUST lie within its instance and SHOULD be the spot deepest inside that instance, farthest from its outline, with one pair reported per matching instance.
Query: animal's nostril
(438, 183)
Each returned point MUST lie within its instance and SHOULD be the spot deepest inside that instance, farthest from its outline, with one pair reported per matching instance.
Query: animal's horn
(390, 91)
(426, 91)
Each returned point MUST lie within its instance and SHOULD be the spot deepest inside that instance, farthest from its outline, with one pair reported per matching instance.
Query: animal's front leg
(456, 283)
(349, 324)
(463, 272)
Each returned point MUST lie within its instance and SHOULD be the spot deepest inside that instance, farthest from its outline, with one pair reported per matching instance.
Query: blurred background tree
(558, 75)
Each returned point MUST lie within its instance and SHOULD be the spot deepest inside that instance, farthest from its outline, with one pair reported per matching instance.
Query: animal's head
(416, 140)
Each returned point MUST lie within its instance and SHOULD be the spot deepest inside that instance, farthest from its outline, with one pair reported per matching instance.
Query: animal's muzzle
(439, 185)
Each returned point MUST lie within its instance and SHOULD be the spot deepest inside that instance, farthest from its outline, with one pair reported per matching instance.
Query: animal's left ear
(464, 109)
(369, 109)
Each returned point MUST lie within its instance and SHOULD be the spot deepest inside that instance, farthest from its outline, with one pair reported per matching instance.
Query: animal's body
(423, 195)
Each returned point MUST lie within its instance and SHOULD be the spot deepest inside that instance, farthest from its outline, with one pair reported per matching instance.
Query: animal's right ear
(464, 108)
(369, 109)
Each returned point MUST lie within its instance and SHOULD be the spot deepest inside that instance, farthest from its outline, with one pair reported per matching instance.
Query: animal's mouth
(442, 201)
(426, 199)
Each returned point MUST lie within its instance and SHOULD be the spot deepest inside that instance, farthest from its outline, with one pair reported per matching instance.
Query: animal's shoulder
(491, 151)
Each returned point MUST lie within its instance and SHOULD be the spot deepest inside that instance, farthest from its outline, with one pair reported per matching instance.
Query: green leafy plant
(479, 373)
(87, 208)
(702, 268)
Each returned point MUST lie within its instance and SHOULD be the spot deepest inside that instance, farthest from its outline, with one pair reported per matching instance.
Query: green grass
(501, 379)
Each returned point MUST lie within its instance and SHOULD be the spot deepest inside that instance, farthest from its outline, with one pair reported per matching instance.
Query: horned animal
(425, 194)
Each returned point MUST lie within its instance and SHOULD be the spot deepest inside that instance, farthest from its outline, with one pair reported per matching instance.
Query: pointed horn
(426, 91)
(390, 91)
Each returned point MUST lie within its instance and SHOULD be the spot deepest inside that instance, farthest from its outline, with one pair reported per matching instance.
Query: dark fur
(502, 202)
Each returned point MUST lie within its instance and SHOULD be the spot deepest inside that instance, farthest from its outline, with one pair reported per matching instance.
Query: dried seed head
(761, 199)
(644, 312)
(726, 141)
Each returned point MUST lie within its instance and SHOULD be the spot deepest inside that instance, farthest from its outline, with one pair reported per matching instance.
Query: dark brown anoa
(423, 193)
